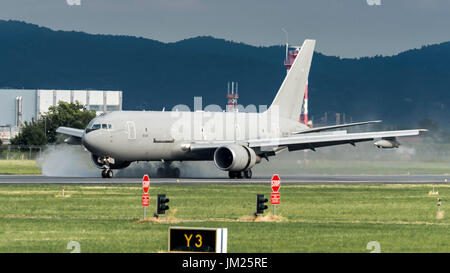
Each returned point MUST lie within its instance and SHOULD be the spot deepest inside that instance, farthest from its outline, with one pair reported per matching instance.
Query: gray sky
(345, 28)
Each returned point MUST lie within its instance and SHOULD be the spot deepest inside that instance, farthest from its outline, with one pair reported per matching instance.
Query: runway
(288, 179)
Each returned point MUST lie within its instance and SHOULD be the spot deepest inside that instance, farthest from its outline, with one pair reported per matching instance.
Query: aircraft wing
(74, 135)
(306, 141)
(70, 131)
(324, 128)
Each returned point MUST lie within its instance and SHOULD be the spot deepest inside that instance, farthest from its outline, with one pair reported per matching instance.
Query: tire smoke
(74, 161)
(198, 169)
(67, 160)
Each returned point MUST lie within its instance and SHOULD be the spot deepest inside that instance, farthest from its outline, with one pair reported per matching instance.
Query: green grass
(19, 167)
(317, 218)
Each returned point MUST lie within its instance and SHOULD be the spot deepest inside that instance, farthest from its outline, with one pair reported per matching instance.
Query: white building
(19, 105)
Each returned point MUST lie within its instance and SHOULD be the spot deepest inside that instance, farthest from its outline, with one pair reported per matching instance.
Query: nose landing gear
(105, 164)
(107, 173)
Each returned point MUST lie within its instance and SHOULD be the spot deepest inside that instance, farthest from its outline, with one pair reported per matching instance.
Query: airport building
(19, 105)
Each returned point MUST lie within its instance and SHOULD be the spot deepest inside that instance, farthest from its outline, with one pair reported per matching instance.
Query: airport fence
(20, 152)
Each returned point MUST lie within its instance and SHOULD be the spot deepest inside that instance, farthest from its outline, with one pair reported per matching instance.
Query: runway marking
(374, 222)
(27, 192)
(234, 220)
(109, 187)
(370, 222)
(365, 185)
(288, 180)
(100, 193)
(29, 217)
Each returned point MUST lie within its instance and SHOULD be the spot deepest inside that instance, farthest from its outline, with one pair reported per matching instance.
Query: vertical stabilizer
(289, 98)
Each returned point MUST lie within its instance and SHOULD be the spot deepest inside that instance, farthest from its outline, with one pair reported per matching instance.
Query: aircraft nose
(93, 142)
(88, 141)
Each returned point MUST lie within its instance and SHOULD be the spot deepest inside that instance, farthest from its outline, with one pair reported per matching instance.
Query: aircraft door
(131, 130)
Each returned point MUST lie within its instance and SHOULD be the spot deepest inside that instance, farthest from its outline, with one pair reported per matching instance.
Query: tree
(65, 114)
(31, 134)
(43, 131)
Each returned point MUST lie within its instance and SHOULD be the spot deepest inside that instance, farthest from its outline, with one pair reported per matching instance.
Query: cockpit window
(97, 126)
(90, 124)
(93, 128)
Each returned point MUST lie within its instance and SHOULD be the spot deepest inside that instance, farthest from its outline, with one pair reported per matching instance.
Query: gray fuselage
(159, 135)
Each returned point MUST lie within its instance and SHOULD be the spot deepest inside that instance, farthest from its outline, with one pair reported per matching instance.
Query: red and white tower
(291, 54)
(232, 96)
(304, 113)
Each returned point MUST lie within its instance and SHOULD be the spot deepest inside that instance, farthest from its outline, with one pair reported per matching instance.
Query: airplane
(235, 141)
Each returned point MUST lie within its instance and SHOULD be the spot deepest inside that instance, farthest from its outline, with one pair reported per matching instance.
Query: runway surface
(289, 179)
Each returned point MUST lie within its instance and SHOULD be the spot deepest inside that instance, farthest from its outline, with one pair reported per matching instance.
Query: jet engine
(73, 140)
(101, 161)
(235, 157)
(387, 143)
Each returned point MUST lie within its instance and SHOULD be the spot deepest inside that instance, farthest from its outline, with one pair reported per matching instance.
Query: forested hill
(400, 89)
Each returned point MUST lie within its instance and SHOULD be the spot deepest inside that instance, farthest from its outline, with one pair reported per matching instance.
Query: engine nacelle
(101, 161)
(387, 143)
(73, 140)
(235, 157)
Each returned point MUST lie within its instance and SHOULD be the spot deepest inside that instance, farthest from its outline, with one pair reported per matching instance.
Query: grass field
(19, 167)
(316, 218)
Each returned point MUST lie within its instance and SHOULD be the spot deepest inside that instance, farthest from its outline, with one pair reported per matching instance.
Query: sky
(346, 28)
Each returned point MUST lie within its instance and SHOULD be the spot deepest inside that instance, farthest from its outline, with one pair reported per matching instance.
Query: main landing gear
(240, 174)
(168, 171)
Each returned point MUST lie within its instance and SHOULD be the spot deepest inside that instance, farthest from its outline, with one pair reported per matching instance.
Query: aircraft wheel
(238, 175)
(176, 173)
(248, 174)
(109, 174)
(104, 174)
(160, 172)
